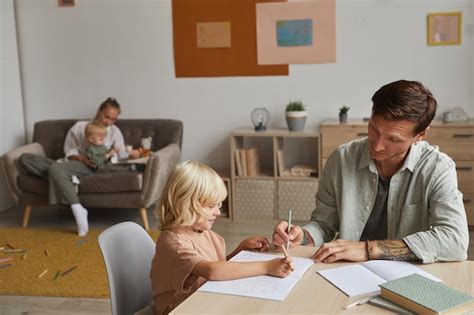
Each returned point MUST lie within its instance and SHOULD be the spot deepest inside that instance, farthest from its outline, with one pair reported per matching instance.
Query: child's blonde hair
(93, 128)
(191, 186)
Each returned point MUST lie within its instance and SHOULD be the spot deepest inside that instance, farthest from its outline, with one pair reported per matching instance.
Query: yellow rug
(75, 267)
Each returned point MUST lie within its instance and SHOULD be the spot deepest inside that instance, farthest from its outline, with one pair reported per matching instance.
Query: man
(60, 175)
(390, 195)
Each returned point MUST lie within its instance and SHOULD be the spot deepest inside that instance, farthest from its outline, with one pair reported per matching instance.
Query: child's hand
(279, 267)
(259, 243)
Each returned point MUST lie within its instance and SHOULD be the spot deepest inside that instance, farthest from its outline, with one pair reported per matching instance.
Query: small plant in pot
(296, 115)
(343, 114)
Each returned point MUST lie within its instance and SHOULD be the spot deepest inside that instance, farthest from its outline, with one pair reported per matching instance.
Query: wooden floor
(55, 217)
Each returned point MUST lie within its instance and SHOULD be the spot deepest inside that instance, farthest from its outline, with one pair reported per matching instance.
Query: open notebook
(365, 278)
(264, 287)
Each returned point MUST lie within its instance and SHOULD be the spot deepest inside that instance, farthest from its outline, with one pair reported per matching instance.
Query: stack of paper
(264, 287)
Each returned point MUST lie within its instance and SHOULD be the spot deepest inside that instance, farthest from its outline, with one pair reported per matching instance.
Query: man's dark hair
(405, 100)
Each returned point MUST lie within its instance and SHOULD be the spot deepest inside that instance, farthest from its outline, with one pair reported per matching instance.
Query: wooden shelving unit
(270, 193)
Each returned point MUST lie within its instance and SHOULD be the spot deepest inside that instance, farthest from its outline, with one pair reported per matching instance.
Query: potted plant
(296, 115)
(343, 114)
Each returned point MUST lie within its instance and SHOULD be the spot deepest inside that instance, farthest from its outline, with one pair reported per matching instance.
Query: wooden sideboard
(455, 139)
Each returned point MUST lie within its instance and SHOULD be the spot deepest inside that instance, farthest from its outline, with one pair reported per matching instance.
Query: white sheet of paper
(353, 280)
(264, 287)
(365, 278)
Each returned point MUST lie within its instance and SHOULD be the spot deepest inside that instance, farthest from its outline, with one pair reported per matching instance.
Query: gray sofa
(102, 190)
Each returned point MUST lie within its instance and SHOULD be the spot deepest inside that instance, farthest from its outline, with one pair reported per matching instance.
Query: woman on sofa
(60, 174)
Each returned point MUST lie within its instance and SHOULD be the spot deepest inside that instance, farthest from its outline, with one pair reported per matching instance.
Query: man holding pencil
(388, 196)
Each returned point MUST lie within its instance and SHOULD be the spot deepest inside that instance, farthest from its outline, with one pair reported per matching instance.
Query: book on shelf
(425, 296)
(243, 162)
(262, 287)
(364, 279)
(247, 162)
(253, 165)
(280, 162)
(238, 164)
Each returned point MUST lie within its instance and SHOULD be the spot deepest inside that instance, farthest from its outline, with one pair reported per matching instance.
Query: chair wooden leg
(144, 218)
(26, 216)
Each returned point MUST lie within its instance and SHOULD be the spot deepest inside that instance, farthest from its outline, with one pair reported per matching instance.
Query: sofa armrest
(157, 171)
(11, 167)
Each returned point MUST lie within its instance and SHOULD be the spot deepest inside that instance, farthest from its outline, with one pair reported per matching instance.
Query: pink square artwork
(213, 34)
(321, 13)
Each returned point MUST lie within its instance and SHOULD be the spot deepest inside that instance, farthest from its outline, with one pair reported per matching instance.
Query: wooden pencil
(287, 256)
(68, 271)
(43, 273)
(14, 251)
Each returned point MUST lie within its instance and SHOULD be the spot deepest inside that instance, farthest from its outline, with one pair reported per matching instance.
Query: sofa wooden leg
(26, 216)
(144, 218)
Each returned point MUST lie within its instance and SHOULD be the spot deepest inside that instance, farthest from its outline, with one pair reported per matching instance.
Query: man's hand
(280, 235)
(341, 250)
(84, 159)
(259, 243)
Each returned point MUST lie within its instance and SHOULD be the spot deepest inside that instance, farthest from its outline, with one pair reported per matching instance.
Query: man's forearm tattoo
(395, 250)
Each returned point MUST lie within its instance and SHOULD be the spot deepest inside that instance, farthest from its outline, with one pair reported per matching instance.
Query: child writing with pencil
(187, 252)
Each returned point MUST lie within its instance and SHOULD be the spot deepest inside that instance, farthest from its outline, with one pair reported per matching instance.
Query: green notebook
(422, 295)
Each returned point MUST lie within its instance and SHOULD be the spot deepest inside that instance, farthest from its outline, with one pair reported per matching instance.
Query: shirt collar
(414, 155)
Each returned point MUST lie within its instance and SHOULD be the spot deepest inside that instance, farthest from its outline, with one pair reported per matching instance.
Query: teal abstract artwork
(294, 33)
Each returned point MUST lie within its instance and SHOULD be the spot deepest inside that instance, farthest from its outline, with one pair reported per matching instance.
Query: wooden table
(315, 295)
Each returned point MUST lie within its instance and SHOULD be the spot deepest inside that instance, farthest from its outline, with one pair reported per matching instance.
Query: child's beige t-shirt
(177, 252)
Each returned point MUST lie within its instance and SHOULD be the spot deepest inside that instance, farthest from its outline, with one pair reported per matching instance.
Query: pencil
(43, 273)
(14, 251)
(5, 259)
(68, 271)
(287, 256)
(289, 229)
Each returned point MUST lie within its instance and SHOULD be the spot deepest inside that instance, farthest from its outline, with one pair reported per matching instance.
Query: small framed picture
(66, 3)
(444, 28)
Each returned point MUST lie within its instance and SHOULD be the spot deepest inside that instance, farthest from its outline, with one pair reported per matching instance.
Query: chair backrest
(128, 251)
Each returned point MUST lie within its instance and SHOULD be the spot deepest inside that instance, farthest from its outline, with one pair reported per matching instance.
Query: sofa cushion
(111, 182)
(90, 184)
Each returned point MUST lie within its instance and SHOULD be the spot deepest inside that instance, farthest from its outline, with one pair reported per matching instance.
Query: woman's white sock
(80, 214)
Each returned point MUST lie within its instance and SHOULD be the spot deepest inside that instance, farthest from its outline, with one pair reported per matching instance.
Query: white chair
(128, 251)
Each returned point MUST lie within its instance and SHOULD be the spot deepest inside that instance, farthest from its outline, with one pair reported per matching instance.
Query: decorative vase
(343, 118)
(296, 120)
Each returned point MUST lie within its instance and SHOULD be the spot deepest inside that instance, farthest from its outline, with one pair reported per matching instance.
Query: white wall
(12, 132)
(73, 58)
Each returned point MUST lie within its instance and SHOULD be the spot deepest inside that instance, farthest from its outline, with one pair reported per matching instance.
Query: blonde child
(95, 149)
(187, 252)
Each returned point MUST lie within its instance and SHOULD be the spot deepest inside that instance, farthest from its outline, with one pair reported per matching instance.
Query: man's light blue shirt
(424, 208)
